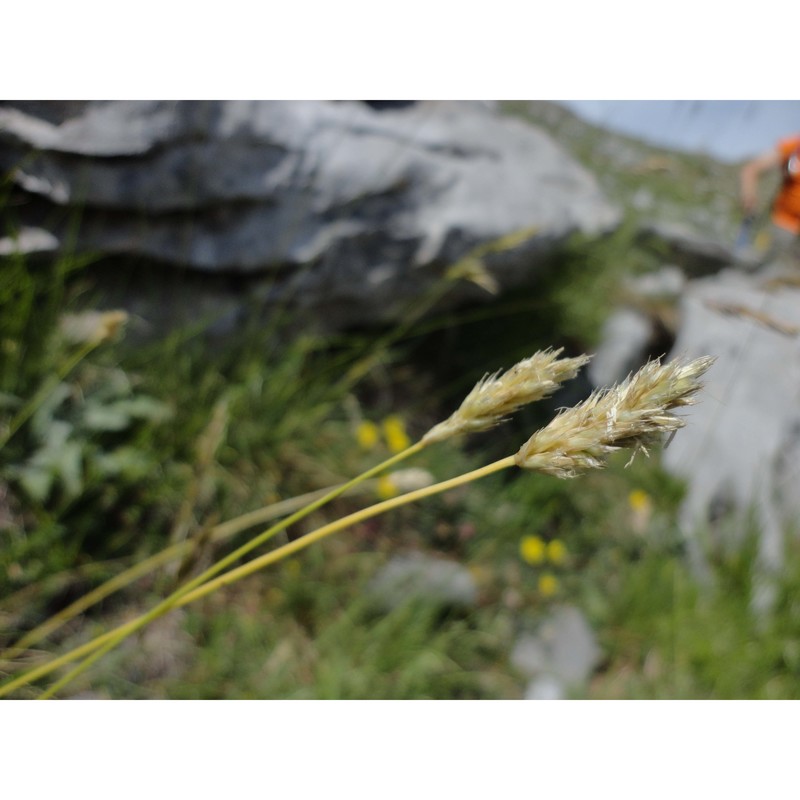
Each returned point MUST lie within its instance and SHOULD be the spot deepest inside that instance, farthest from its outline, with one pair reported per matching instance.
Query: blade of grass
(219, 533)
(107, 642)
(263, 537)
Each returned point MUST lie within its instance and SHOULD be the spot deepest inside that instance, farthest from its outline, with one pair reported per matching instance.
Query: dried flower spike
(92, 326)
(633, 414)
(493, 398)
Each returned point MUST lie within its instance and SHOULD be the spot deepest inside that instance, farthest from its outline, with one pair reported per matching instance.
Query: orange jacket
(786, 209)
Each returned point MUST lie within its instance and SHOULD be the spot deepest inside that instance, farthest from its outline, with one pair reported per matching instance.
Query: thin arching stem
(109, 639)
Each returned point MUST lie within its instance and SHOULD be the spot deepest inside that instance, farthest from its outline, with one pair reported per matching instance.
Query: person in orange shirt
(786, 206)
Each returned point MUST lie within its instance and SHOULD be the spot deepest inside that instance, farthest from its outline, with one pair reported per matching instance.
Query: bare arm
(751, 172)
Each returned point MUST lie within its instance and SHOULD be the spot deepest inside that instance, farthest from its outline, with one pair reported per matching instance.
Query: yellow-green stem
(95, 596)
(379, 508)
(365, 364)
(220, 565)
(333, 527)
(218, 533)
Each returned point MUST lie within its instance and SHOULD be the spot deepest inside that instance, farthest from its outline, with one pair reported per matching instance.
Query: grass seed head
(633, 414)
(92, 326)
(496, 396)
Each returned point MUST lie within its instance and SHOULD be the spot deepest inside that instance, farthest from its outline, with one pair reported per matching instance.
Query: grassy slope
(648, 182)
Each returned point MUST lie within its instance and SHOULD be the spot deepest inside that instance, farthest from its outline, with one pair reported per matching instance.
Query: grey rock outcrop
(740, 453)
(666, 283)
(421, 577)
(623, 348)
(29, 241)
(342, 207)
(632, 332)
(559, 657)
(694, 252)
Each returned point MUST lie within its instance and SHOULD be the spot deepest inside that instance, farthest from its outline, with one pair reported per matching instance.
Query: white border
(393, 749)
(618, 49)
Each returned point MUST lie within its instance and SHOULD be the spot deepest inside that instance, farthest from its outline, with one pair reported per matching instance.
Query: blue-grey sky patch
(729, 130)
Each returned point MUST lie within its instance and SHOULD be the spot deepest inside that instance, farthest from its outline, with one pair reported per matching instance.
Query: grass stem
(169, 602)
(96, 648)
(218, 533)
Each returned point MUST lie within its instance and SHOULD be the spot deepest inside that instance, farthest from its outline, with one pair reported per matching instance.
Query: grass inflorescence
(625, 416)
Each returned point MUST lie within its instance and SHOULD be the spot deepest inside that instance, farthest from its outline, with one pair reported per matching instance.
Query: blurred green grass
(308, 628)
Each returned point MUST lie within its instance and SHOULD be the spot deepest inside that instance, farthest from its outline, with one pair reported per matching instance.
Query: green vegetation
(134, 445)
(648, 182)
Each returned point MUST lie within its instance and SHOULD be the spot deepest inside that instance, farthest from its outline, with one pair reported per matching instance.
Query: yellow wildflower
(641, 510)
(556, 552)
(639, 500)
(548, 585)
(395, 433)
(367, 435)
(532, 550)
(386, 487)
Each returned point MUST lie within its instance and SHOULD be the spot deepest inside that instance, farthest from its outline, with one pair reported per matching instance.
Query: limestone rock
(666, 283)
(341, 207)
(559, 657)
(545, 687)
(739, 452)
(418, 576)
(634, 332)
(694, 252)
(623, 347)
(27, 242)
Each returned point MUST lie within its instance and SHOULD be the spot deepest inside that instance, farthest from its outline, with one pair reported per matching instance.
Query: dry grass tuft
(632, 415)
(496, 396)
